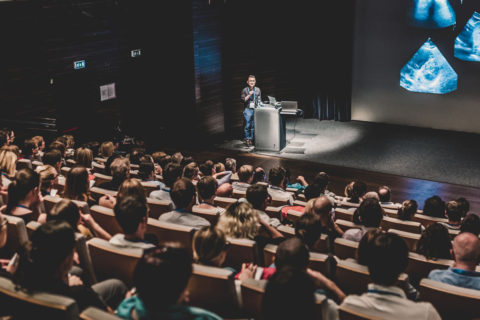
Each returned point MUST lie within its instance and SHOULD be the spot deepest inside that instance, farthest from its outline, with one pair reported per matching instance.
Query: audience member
(225, 190)
(464, 205)
(454, 212)
(30, 149)
(277, 181)
(210, 247)
(434, 207)
(466, 252)
(309, 229)
(53, 158)
(435, 242)
(219, 167)
(471, 223)
(171, 173)
(322, 206)
(190, 171)
(259, 175)
(370, 214)
(77, 186)
(24, 198)
(231, 165)
(120, 169)
(207, 187)
(106, 149)
(183, 197)
(146, 172)
(245, 177)
(385, 194)
(38, 140)
(8, 165)
(407, 210)
(258, 196)
(84, 158)
(48, 179)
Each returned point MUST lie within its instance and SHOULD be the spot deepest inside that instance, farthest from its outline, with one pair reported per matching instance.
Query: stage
(422, 153)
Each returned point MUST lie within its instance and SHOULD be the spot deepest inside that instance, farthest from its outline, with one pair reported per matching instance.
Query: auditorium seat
(453, 233)
(391, 213)
(101, 178)
(211, 214)
(24, 164)
(299, 203)
(158, 207)
(97, 192)
(98, 168)
(213, 289)
(274, 212)
(317, 260)
(353, 278)
(223, 202)
(16, 234)
(100, 160)
(252, 294)
(134, 166)
(393, 223)
(411, 239)
(36, 164)
(70, 163)
(427, 220)
(170, 232)
(293, 215)
(344, 214)
(269, 254)
(32, 226)
(105, 217)
(242, 251)
(345, 249)
(110, 261)
(419, 266)
(21, 304)
(451, 302)
(286, 231)
(348, 313)
(346, 204)
(50, 201)
(149, 186)
(65, 170)
(393, 206)
(237, 194)
(93, 313)
(321, 245)
(276, 202)
(345, 225)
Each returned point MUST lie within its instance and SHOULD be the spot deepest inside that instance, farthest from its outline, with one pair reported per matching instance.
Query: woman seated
(435, 242)
(48, 179)
(407, 210)
(8, 164)
(77, 186)
(129, 187)
(45, 263)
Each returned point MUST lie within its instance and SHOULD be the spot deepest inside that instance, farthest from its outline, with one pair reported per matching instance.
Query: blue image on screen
(433, 14)
(467, 44)
(428, 71)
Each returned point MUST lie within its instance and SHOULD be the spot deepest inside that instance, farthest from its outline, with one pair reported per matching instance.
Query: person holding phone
(251, 97)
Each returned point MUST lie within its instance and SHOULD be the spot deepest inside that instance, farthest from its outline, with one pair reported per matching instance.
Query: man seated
(120, 170)
(131, 215)
(434, 207)
(385, 194)
(207, 187)
(171, 173)
(466, 251)
(225, 190)
(276, 189)
(322, 206)
(454, 212)
(259, 198)
(183, 197)
(245, 177)
(387, 259)
(370, 214)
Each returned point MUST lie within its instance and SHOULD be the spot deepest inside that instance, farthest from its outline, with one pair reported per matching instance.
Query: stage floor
(429, 154)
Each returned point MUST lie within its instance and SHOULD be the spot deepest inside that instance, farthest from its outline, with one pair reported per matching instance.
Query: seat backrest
(23, 305)
(345, 249)
(322, 245)
(393, 223)
(31, 227)
(36, 164)
(148, 187)
(419, 266)
(85, 259)
(346, 204)
(110, 261)
(274, 212)
(211, 215)
(346, 313)
(16, 234)
(105, 217)
(345, 225)
(99, 168)
(293, 215)
(70, 163)
(427, 220)
(277, 202)
(451, 302)
(269, 254)
(100, 159)
(168, 232)
(158, 207)
(391, 213)
(318, 262)
(93, 313)
(97, 192)
(237, 194)
(23, 164)
(411, 239)
(353, 278)
(344, 214)
(223, 201)
(65, 170)
(50, 201)
(241, 251)
(101, 178)
(252, 295)
(213, 289)
(286, 231)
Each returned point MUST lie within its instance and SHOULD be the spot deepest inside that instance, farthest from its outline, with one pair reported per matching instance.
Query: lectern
(269, 129)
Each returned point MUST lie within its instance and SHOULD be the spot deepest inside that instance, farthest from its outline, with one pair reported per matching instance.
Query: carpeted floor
(436, 155)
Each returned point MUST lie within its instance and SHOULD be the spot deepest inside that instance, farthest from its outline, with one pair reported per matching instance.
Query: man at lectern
(251, 97)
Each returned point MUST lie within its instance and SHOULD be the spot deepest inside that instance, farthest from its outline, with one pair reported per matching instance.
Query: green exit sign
(79, 64)
(136, 53)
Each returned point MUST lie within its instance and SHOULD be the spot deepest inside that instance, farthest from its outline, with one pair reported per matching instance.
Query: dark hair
(25, 180)
(206, 168)
(471, 223)
(309, 228)
(256, 195)
(3, 138)
(258, 175)
(384, 196)
(65, 210)
(313, 191)
(387, 258)
(289, 293)
(182, 193)
(135, 155)
(454, 211)
(28, 147)
(145, 170)
(207, 187)
(171, 173)
(407, 210)
(129, 212)
(110, 160)
(51, 243)
(77, 184)
(370, 213)
(52, 157)
(58, 146)
(435, 242)
(161, 275)
(364, 246)
(186, 160)
(434, 207)
(359, 189)
(292, 252)
(276, 175)
(464, 205)
(164, 161)
(321, 180)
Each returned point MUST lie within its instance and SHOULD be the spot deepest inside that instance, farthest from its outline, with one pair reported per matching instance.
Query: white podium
(269, 129)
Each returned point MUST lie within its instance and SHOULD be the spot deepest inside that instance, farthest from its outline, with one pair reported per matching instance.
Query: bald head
(466, 247)
(322, 206)
(225, 190)
(371, 195)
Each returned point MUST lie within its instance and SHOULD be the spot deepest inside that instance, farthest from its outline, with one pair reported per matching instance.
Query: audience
(435, 242)
(245, 177)
(259, 175)
(277, 181)
(77, 186)
(207, 187)
(183, 197)
(386, 260)
(370, 214)
(434, 207)
(120, 169)
(454, 213)
(466, 252)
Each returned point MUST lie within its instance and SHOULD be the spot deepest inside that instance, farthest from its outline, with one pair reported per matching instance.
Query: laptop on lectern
(272, 100)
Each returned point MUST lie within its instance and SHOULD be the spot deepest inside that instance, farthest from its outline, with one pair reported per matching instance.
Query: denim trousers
(249, 123)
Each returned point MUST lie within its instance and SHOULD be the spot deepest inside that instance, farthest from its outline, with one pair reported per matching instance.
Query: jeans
(249, 123)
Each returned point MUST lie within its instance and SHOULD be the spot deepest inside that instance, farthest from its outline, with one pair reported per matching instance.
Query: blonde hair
(309, 206)
(84, 157)
(8, 162)
(106, 149)
(239, 221)
(208, 243)
(70, 140)
(131, 187)
(47, 175)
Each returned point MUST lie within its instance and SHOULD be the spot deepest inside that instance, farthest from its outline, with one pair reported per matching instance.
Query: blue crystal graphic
(467, 44)
(432, 14)
(428, 71)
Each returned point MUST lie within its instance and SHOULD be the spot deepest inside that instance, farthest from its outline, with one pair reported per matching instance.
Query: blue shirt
(457, 277)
